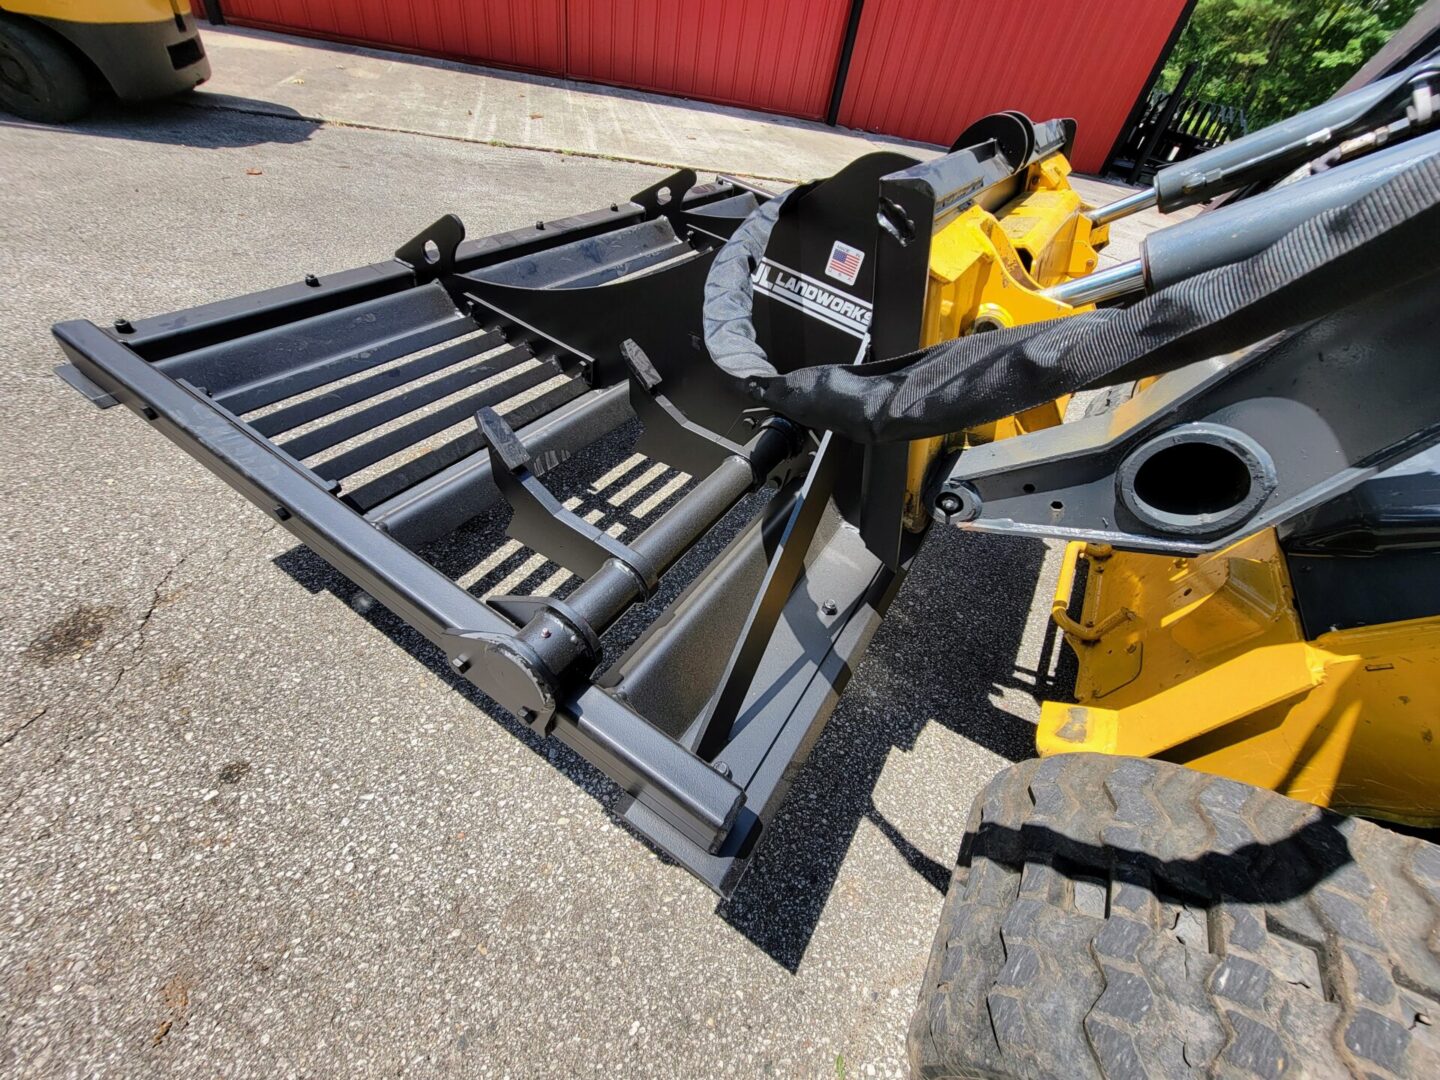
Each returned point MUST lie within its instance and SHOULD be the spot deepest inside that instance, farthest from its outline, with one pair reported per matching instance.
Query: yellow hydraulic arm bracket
(1202, 661)
(986, 272)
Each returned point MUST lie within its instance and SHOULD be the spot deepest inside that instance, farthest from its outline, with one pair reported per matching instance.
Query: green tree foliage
(1277, 57)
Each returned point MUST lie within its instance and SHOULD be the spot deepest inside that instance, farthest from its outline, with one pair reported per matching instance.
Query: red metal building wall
(921, 69)
(924, 69)
(526, 34)
(760, 54)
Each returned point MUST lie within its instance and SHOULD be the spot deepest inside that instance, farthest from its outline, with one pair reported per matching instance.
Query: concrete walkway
(327, 82)
(342, 84)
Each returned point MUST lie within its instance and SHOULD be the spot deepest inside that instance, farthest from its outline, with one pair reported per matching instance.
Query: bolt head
(829, 607)
(958, 502)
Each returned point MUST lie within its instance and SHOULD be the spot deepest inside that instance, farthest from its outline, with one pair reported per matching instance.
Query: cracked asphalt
(247, 830)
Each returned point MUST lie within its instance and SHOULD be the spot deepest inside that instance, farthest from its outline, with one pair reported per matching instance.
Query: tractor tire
(1116, 917)
(40, 77)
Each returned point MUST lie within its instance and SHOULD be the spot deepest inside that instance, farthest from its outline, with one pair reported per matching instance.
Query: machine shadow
(1268, 872)
(220, 123)
(950, 639)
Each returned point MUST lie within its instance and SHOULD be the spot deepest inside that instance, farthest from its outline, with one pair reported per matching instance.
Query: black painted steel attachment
(375, 411)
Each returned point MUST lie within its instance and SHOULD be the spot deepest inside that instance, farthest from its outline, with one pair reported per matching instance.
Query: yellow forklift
(58, 56)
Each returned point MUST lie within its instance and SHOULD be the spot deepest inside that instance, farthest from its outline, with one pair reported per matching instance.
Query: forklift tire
(40, 77)
(1117, 917)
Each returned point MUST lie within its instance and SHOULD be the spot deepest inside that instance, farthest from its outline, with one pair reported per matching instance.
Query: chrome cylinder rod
(1130, 204)
(1127, 277)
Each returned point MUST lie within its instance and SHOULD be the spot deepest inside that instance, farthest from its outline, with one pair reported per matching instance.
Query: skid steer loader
(1250, 587)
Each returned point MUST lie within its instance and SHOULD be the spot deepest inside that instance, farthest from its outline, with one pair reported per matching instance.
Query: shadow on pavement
(950, 640)
(236, 122)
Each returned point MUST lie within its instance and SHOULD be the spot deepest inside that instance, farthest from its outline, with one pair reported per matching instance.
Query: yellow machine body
(100, 11)
(986, 273)
(1203, 661)
(143, 49)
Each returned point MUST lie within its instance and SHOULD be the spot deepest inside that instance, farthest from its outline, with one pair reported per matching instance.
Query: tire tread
(1244, 934)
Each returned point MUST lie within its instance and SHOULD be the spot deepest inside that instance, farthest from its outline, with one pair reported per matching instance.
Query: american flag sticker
(844, 264)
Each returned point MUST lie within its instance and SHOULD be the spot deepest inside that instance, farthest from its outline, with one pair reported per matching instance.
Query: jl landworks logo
(814, 298)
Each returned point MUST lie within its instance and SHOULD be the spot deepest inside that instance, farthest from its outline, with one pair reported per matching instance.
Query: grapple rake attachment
(374, 411)
(847, 348)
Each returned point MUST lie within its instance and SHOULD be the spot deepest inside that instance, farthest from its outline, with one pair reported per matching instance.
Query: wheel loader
(1250, 589)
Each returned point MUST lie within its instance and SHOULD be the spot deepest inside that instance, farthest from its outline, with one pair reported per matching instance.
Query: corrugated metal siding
(527, 34)
(759, 54)
(922, 69)
(925, 69)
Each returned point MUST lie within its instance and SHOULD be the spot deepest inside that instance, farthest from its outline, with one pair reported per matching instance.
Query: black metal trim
(1138, 109)
(842, 67)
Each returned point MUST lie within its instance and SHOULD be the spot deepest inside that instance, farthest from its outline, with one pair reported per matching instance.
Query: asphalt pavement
(249, 830)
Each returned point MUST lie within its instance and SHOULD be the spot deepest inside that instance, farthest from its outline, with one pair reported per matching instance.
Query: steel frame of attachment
(198, 377)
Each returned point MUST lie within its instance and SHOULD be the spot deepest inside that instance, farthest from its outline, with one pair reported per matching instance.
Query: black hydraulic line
(1240, 230)
(1281, 147)
(1340, 257)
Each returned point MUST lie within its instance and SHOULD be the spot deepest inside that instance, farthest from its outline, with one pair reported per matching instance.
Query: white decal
(814, 298)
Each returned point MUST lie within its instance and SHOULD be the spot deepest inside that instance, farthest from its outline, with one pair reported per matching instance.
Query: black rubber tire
(1113, 917)
(40, 77)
